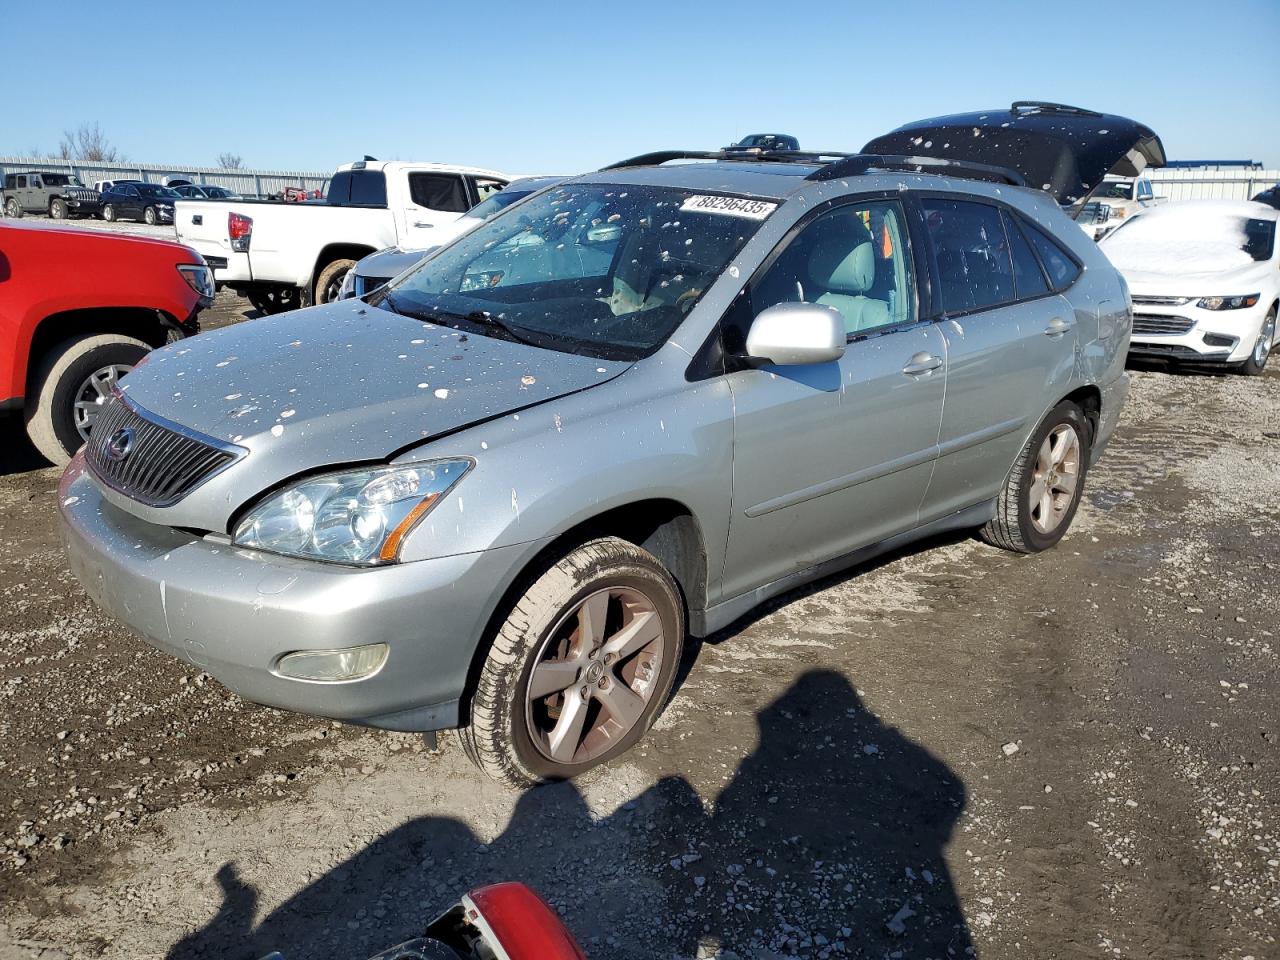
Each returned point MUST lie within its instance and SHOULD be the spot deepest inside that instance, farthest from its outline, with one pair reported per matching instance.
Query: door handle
(921, 364)
(1057, 327)
(422, 223)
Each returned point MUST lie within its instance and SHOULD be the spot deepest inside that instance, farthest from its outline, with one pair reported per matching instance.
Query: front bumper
(235, 612)
(83, 206)
(1191, 334)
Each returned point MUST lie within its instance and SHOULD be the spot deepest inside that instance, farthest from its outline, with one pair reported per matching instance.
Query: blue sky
(307, 86)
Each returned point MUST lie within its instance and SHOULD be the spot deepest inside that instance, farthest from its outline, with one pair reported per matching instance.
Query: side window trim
(1025, 227)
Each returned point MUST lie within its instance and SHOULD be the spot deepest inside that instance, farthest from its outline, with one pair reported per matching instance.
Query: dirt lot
(952, 751)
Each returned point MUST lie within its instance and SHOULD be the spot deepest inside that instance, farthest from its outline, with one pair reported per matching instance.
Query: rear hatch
(1065, 151)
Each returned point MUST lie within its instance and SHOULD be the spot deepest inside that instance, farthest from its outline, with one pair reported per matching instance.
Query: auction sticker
(730, 206)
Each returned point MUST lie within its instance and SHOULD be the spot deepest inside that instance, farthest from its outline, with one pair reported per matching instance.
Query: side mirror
(792, 334)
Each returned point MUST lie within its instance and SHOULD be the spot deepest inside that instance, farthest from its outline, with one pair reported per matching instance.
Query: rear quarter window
(1060, 267)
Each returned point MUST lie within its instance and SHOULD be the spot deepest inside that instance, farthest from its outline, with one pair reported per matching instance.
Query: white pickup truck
(285, 255)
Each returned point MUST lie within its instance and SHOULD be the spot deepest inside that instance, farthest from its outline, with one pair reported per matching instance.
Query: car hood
(344, 383)
(1176, 278)
(390, 262)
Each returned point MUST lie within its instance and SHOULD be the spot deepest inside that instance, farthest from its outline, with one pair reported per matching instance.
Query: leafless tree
(230, 161)
(88, 143)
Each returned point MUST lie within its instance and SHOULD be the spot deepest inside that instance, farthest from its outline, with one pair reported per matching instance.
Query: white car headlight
(1229, 303)
(356, 516)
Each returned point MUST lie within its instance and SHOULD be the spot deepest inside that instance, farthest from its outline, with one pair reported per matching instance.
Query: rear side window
(970, 249)
(1028, 278)
(1062, 270)
(10, 181)
(364, 187)
(438, 191)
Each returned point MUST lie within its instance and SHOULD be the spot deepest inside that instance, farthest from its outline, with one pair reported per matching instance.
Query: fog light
(353, 663)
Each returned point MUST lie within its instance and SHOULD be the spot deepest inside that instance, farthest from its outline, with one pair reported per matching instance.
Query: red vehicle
(78, 310)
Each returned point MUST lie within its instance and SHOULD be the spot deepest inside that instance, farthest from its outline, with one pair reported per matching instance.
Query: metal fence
(249, 183)
(1198, 183)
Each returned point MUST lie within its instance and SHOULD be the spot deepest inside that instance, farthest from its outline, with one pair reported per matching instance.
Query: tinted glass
(365, 187)
(438, 191)
(969, 247)
(56, 180)
(589, 268)
(499, 201)
(1260, 238)
(1028, 278)
(154, 190)
(853, 258)
(486, 188)
(1061, 268)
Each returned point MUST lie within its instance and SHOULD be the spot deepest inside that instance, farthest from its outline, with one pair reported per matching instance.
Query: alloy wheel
(1262, 349)
(1055, 478)
(93, 394)
(595, 675)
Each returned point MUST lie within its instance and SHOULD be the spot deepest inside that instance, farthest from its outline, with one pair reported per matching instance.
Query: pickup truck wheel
(329, 282)
(58, 208)
(69, 386)
(109, 213)
(149, 216)
(1043, 490)
(580, 668)
(12, 208)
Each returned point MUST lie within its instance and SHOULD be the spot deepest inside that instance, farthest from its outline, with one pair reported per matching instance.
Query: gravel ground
(953, 750)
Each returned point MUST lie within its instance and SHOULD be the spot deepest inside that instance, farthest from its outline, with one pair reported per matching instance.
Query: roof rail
(859, 163)
(741, 154)
(1043, 106)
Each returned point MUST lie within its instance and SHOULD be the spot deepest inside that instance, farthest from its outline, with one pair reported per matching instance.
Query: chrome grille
(162, 461)
(1156, 324)
(1162, 301)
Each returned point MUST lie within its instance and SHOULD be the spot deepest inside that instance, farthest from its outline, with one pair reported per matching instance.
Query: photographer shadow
(828, 840)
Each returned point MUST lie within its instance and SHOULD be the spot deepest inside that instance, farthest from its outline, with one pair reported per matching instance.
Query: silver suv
(499, 492)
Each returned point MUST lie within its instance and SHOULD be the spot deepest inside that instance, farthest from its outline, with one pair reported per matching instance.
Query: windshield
(1115, 190)
(1196, 240)
(152, 190)
(60, 180)
(607, 271)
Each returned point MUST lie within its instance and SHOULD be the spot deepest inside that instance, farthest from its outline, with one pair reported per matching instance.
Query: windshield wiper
(485, 318)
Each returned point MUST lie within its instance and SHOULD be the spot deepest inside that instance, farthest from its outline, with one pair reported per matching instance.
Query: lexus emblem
(119, 444)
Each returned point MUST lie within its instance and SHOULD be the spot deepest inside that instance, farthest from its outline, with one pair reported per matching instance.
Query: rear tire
(149, 216)
(109, 213)
(1256, 365)
(12, 208)
(329, 282)
(1043, 489)
(58, 209)
(57, 382)
(512, 730)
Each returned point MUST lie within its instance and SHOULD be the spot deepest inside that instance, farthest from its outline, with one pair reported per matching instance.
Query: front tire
(1043, 489)
(1256, 365)
(58, 209)
(69, 386)
(149, 216)
(12, 208)
(109, 213)
(329, 282)
(581, 667)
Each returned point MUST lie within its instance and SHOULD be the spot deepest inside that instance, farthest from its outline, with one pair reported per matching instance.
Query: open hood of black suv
(1063, 150)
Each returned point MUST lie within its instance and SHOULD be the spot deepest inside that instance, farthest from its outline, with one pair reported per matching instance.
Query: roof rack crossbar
(749, 155)
(858, 164)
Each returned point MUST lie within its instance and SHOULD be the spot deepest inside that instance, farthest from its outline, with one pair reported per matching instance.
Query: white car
(1205, 281)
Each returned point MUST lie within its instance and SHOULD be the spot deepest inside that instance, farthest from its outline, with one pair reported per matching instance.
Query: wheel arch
(332, 252)
(1089, 399)
(664, 527)
(148, 325)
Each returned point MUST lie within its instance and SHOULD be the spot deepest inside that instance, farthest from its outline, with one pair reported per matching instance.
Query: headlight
(348, 288)
(1119, 212)
(357, 516)
(1228, 303)
(199, 278)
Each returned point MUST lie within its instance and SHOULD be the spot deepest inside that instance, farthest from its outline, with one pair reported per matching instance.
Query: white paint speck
(277, 430)
(286, 414)
(442, 394)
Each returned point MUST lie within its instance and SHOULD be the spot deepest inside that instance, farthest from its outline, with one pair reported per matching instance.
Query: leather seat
(843, 268)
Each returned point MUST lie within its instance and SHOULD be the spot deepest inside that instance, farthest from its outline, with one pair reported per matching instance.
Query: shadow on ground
(828, 840)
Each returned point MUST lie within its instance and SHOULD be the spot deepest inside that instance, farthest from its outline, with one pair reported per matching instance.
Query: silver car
(499, 493)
